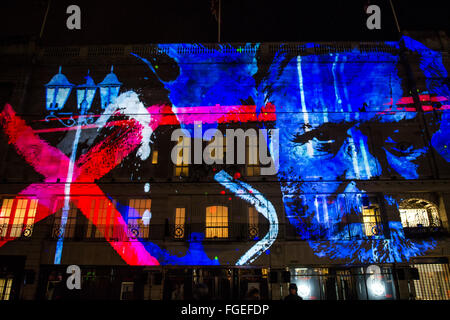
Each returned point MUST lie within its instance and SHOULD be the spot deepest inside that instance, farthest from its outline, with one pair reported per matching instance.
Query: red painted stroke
(100, 159)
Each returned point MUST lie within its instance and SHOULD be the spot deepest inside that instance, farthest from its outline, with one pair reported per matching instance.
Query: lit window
(17, 217)
(139, 216)
(253, 229)
(180, 220)
(5, 288)
(419, 213)
(371, 220)
(252, 157)
(182, 162)
(102, 217)
(433, 283)
(69, 231)
(412, 218)
(155, 157)
(221, 150)
(5, 214)
(217, 222)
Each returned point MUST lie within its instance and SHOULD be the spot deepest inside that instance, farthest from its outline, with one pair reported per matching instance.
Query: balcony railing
(16, 231)
(425, 232)
(182, 232)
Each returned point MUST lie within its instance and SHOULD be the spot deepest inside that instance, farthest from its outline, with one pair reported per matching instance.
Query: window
(371, 220)
(220, 155)
(5, 288)
(312, 283)
(180, 220)
(252, 157)
(126, 292)
(71, 219)
(5, 214)
(155, 157)
(433, 283)
(253, 229)
(139, 216)
(416, 213)
(17, 217)
(101, 216)
(182, 161)
(217, 222)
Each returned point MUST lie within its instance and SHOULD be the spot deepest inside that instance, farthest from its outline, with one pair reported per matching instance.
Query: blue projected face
(342, 118)
(334, 138)
(437, 84)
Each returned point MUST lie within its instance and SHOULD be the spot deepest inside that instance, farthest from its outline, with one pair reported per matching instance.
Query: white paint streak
(309, 146)
(262, 205)
(128, 103)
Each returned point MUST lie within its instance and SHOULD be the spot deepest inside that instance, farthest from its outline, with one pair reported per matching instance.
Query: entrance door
(216, 282)
(345, 285)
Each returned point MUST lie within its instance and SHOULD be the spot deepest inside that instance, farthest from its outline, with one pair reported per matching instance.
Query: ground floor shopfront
(424, 279)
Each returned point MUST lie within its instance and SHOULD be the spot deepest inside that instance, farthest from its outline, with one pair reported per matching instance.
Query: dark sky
(151, 21)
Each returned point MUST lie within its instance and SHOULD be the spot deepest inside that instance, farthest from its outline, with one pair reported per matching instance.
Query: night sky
(132, 21)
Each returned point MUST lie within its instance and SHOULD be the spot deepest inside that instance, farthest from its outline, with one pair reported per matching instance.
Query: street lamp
(85, 94)
(109, 89)
(57, 91)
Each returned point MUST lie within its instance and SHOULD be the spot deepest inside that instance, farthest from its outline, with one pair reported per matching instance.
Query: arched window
(416, 213)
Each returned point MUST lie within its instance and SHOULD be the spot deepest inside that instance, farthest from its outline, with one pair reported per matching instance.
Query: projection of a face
(342, 117)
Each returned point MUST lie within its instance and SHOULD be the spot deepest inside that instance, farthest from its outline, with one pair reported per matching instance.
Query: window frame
(223, 228)
(108, 231)
(143, 230)
(181, 169)
(177, 225)
(368, 226)
(252, 170)
(252, 225)
(12, 223)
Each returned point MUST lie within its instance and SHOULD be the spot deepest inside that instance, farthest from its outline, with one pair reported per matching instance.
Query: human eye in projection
(404, 153)
(326, 139)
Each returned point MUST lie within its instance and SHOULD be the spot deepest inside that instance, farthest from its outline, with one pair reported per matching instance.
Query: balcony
(421, 232)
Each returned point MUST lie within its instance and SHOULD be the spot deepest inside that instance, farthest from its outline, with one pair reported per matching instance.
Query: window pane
(139, 216)
(5, 214)
(253, 229)
(217, 222)
(5, 288)
(180, 218)
(16, 215)
(19, 216)
(69, 231)
(155, 157)
(371, 220)
(183, 153)
(252, 157)
(433, 283)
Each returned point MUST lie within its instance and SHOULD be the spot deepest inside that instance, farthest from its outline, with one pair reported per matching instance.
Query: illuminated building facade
(356, 208)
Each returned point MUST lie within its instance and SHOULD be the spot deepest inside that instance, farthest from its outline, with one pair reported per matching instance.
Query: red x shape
(53, 164)
(98, 161)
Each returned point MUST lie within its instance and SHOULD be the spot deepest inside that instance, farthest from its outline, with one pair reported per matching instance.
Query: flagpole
(218, 21)
(395, 17)
(45, 19)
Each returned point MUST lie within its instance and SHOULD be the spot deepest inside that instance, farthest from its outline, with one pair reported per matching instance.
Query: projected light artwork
(342, 117)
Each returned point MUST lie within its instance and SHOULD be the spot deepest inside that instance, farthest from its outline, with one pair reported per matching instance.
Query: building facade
(186, 171)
